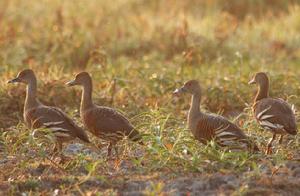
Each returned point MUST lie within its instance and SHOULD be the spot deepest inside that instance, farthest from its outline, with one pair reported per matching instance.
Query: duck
(272, 114)
(37, 115)
(104, 122)
(206, 127)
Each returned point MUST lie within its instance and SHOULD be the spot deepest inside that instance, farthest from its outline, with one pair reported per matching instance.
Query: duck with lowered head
(206, 127)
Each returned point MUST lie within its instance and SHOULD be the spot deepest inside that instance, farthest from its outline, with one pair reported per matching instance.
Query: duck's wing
(55, 120)
(222, 130)
(275, 114)
(110, 124)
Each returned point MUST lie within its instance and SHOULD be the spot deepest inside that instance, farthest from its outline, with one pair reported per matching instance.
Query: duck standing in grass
(104, 122)
(36, 115)
(272, 114)
(206, 127)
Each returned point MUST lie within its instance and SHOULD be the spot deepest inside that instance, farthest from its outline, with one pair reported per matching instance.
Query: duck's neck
(263, 91)
(86, 99)
(31, 100)
(195, 107)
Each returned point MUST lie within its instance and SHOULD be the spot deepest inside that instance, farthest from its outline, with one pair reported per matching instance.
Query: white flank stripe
(227, 139)
(293, 109)
(57, 129)
(52, 123)
(262, 112)
(221, 129)
(264, 117)
(60, 134)
(225, 133)
(267, 124)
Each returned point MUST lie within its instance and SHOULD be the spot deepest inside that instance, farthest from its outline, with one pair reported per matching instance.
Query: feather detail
(221, 129)
(48, 124)
(264, 117)
(225, 133)
(61, 134)
(262, 112)
(268, 124)
(58, 129)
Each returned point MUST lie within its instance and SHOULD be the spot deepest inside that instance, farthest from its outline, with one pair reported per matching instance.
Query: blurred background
(87, 33)
(140, 50)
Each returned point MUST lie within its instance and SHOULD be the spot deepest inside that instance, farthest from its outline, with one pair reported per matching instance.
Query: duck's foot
(280, 139)
(269, 150)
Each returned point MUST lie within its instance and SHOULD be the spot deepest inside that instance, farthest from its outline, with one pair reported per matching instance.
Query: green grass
(138, 52)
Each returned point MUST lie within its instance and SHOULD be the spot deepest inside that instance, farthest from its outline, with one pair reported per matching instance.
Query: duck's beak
(252, 81)
(71, 83)
(15, 80)
(178, 91)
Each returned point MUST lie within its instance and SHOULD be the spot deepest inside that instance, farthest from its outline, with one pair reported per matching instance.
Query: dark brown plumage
(274, 115)
(36, 115)
(104, 122)
(206, 127)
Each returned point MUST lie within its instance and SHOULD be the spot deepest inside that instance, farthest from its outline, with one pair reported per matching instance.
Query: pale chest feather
(193, 122)
(264, 119)
(27, 120)
(89, 121)
(30, 119)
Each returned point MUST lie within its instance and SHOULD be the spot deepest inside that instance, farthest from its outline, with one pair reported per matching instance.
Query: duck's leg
(269, 147)
(280, 139)
(55, 149)
(60, 146)
(63, 158)
(109, 148)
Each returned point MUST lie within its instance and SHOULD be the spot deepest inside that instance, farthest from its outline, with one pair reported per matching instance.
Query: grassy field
(138, 52)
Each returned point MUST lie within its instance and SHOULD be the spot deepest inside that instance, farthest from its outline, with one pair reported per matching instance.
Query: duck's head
(259, 78)
(191, 86)
(80, 79)
(24, 76)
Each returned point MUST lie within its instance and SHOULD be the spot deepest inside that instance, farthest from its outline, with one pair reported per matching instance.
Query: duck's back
(212, 126)
(275, 114)
(54, 119)
(107, 123)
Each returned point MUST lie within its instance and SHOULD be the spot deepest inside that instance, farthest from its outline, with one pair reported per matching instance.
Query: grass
(138, 52)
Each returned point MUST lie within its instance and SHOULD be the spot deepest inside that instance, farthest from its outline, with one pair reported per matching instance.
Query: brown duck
(272, 114)
(206, 127)
(104, 122)
(36, 115)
